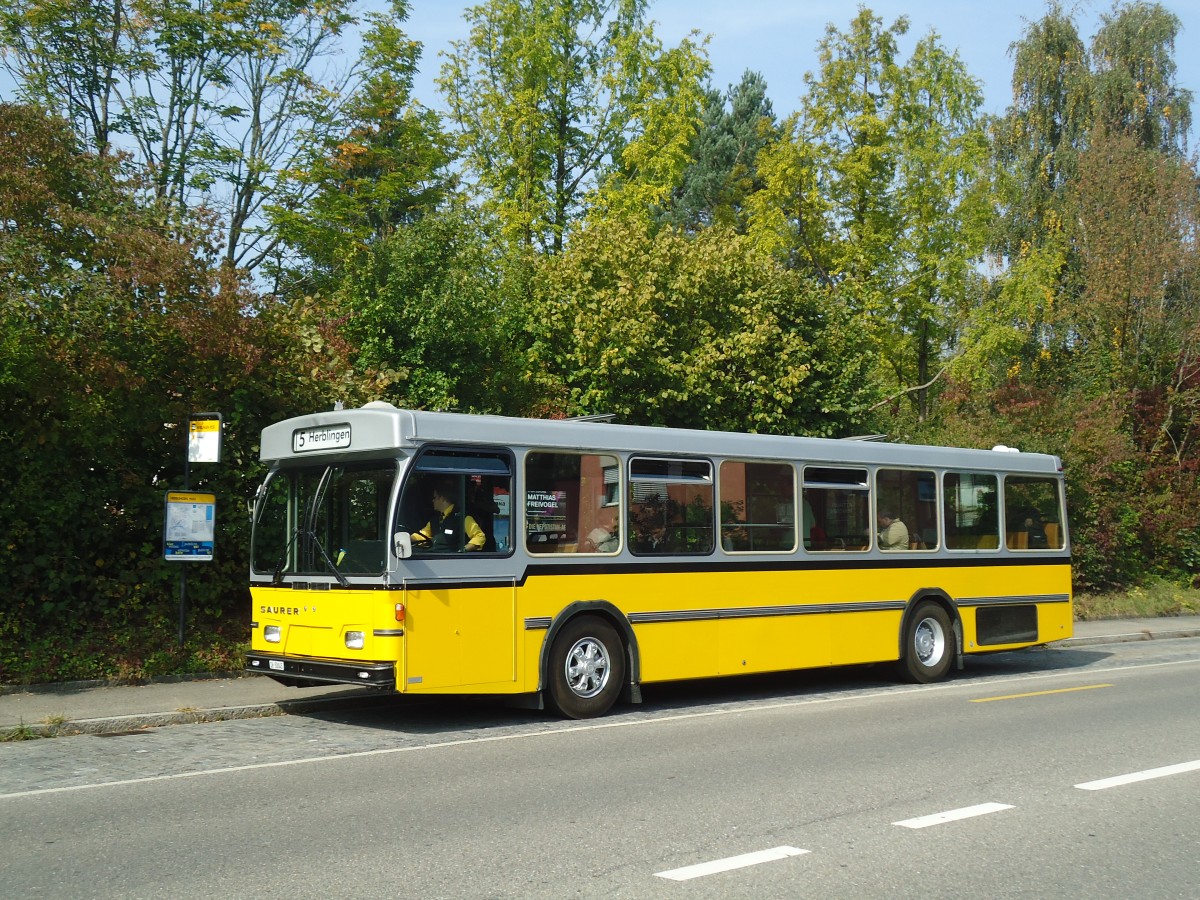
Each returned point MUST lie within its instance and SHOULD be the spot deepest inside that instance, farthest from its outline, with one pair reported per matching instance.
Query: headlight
(354, 640)
(272, 634)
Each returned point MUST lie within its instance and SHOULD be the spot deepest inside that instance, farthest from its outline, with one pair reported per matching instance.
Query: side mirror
(402, 544)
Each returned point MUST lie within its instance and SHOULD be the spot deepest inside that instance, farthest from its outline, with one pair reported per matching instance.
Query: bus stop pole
(187, 486)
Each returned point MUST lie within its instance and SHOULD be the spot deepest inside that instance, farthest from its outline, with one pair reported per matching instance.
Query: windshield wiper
(317, 499)
(329, 562)
(309, 535)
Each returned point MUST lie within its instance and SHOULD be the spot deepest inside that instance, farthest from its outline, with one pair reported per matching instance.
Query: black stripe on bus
(535, 623)
(571, 567)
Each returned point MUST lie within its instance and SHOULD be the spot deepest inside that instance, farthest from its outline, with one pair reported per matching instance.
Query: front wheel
(928, 644)
(587, 667)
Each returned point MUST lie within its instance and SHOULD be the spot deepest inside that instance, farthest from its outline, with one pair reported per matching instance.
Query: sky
(778, 38)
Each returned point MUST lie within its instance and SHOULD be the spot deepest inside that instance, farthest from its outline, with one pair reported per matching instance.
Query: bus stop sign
(189, 527)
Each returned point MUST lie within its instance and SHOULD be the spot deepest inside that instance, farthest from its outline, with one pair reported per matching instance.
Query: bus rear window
(1032, 514)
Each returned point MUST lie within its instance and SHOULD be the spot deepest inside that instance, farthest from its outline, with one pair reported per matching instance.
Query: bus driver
(444, 532)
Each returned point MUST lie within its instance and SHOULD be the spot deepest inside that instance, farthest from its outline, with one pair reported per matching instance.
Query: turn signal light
(399, 612)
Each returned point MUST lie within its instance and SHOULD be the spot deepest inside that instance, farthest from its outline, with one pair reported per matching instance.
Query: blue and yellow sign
(189, 526)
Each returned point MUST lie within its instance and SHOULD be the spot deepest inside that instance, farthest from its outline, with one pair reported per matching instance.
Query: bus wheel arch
(930, 637)
(587, 634)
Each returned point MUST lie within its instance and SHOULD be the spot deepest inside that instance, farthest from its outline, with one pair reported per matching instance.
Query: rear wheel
(928, 644)
(587, 668)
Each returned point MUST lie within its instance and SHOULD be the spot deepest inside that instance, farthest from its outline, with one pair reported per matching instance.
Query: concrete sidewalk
(90, 708)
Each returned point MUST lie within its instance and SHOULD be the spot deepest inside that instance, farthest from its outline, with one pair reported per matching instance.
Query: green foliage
(123, 331)
(383, 169)
(723, 171)
(701, 332)
(1134, 214)
(551, 97)
(432, 310)
(217, 99)
(1135, 90)
(1037, 141)
(877, 188)
(1156, 597)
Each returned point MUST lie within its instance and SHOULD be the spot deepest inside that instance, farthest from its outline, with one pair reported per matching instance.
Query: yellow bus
(569, 562)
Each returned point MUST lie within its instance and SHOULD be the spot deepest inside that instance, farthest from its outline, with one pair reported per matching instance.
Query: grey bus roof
(380, 428)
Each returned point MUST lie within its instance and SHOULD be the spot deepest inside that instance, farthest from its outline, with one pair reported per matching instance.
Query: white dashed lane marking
(1118, 780)
(953, 815)
(730, 863)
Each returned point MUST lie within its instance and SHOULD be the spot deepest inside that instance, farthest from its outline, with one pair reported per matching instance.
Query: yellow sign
(204, 437)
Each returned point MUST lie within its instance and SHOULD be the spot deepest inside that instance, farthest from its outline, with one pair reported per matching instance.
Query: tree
(1044, 130)
(215, 99)
(698, 331)
(548, 95)
(723, 172)
(875, 190)
(113, 328)
(430, 308)
(1133, 54)
(89, 275)
(849, 116)
(383, 170)
(1135, 215)
(68, 56)
(941, 207)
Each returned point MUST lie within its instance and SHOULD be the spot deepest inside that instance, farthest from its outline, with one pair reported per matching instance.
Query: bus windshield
(324, 520)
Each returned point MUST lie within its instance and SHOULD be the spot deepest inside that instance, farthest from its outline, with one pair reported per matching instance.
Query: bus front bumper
(319, 671)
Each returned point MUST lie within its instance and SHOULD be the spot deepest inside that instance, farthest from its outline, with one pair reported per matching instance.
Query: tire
(587, 668)
(928, 647)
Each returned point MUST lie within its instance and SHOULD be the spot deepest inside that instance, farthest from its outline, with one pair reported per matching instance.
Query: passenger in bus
(893, 534)
(446, 530)
(809, 523)
(1035, 529)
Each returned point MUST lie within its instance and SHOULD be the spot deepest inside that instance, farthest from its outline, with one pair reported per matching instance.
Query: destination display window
(758, 507)
(836, 506)
(571, 503)
(670, 506)
(971, 510)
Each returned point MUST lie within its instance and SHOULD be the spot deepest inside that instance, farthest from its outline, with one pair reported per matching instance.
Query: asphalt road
(1053, 773)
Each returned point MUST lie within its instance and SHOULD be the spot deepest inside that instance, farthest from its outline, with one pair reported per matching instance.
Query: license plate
(275, 664)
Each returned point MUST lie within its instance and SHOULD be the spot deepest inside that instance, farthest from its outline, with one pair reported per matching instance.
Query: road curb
(1143, 635)
(139, 722)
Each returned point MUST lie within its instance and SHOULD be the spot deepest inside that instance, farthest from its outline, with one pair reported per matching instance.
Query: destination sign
(321, 437)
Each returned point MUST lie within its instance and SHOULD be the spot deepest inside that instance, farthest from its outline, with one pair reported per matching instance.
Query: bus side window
(971, 512)
(457, 502)
(1032, 513)
(670, 506)
(758, 507)
(838, 501)
(910, 496)
(571, 504)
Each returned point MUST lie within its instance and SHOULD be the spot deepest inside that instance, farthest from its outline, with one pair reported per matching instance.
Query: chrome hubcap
(587, 667)
(929, 641)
